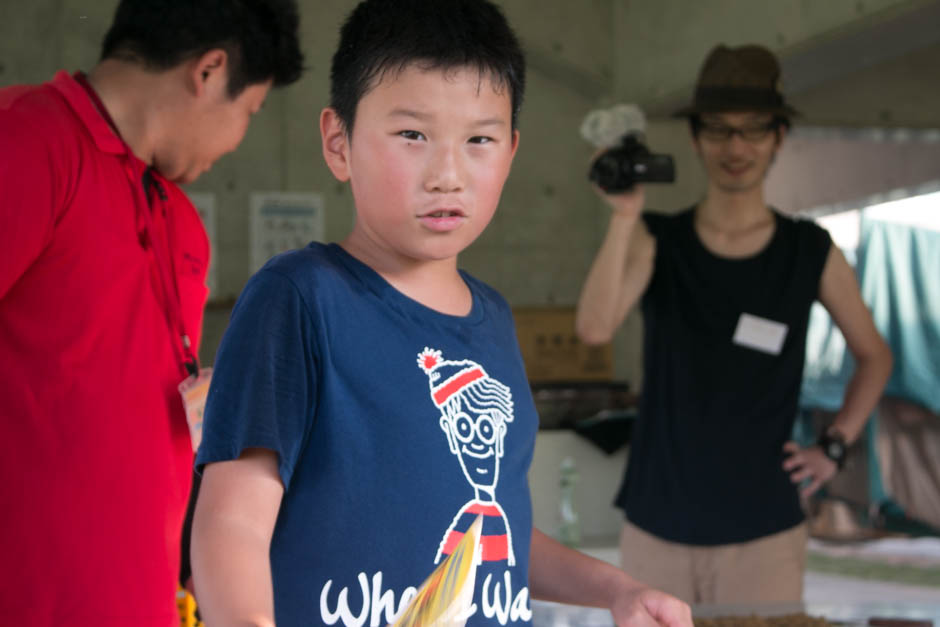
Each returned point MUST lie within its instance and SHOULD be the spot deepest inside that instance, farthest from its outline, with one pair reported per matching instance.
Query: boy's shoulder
(314, 262)
(313, 271)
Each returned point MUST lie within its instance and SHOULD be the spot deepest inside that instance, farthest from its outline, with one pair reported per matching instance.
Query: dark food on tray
(785, 620)
(803, 620)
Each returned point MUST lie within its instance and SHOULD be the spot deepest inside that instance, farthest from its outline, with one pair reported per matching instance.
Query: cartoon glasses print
(484, 426)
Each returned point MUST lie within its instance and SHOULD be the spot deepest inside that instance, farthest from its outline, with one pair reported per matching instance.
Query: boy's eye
(412, 135)
(480, 139)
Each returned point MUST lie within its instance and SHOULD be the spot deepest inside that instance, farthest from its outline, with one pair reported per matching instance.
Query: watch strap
(834, 447)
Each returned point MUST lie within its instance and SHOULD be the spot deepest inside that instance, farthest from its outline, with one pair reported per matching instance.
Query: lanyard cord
(172, 305)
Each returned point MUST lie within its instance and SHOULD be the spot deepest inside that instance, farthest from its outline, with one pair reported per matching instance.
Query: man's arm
(620, 272)
(557, 573)
(839, 293)
(232, 527)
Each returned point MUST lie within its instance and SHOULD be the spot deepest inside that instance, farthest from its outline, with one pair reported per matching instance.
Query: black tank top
(705, 463)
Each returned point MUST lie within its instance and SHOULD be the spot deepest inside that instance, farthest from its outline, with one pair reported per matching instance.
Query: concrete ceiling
(882, 70)
(862, 46)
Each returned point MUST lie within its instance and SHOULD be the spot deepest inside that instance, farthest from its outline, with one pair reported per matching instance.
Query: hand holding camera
(628, 203)
(625, 160)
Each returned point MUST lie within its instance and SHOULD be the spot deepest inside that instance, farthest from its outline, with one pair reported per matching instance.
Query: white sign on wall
(282, 221)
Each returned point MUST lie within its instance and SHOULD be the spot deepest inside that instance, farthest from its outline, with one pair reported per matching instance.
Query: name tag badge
(760, 334)
(194, 391)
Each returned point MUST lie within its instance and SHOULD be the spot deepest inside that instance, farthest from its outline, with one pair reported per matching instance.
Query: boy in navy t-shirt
(369, 399)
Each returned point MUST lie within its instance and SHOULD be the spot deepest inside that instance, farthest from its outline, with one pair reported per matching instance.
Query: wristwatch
(833, 446)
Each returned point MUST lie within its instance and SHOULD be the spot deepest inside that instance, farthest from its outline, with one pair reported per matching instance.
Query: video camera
(627, 161)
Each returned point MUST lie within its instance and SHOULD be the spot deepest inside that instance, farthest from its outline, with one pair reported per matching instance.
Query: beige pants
(766, 569)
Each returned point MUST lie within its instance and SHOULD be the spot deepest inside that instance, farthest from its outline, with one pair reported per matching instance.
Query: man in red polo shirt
(102, 284)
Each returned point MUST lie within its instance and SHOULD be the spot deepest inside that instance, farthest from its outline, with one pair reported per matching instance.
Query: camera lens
(612, 171)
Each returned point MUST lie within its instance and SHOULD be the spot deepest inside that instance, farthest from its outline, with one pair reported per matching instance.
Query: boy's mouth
(443, 220)
(444, 213)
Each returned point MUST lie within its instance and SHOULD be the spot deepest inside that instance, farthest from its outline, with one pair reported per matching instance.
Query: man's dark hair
(259, 36)
(778, 122)
(382, 36)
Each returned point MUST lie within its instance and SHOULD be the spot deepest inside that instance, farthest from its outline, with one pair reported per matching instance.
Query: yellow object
(446, 595)
(186, 604)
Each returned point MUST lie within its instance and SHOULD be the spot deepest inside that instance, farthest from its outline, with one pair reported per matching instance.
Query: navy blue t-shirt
(395, 425)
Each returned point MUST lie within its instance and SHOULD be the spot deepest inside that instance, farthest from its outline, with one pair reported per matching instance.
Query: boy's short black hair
(388, 35)
(260, 37)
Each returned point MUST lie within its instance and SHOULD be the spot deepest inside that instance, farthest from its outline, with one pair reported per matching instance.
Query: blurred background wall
(846, 63)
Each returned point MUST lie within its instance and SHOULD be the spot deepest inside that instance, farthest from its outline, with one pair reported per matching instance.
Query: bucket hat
(746, 78)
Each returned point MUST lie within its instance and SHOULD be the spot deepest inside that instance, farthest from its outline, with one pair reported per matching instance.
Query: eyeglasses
(723, 132)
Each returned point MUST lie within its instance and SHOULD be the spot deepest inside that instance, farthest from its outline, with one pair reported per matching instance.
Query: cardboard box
(552, 351)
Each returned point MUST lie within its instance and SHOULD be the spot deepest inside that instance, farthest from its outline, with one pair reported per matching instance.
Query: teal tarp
(900, 280)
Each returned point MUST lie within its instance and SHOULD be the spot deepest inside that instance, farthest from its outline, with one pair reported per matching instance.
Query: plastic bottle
(569, 532)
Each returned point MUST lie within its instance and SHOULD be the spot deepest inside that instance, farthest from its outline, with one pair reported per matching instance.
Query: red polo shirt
(96, 460)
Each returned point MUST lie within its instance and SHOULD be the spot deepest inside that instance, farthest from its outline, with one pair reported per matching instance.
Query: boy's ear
(335, 143)
(209, 72)
(515, 142)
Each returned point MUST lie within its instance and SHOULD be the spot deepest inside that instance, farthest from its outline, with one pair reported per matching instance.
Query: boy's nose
(444, 172)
